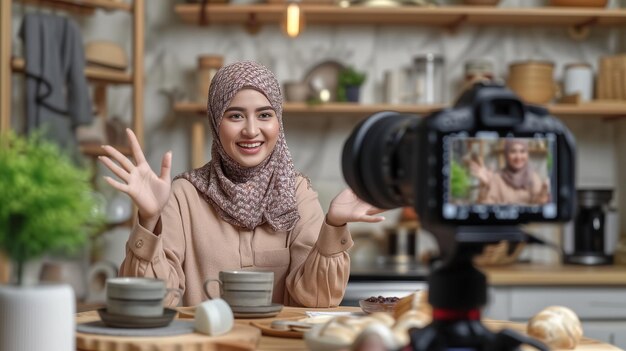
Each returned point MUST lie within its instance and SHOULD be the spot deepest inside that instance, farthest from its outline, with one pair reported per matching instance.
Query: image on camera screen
(506, 177)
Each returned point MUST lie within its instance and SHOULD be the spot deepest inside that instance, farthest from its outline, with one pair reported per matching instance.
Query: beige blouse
(310, 262)
(499, 192)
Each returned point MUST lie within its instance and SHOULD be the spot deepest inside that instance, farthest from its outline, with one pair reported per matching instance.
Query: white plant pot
(37, 318)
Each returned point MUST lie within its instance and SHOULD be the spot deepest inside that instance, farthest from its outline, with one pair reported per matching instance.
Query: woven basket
(500, 254)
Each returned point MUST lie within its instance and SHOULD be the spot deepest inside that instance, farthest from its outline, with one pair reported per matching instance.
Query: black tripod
(457, 291)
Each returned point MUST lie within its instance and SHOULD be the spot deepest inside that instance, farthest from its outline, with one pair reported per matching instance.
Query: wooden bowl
(106, 54)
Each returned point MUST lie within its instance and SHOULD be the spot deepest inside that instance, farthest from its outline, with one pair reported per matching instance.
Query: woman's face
(517, 156)
(249, 128)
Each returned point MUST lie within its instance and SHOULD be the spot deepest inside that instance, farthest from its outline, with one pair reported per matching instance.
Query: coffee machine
(591, 230)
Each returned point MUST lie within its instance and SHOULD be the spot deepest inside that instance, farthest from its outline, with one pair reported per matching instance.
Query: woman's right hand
(478, 170)
(148, 191)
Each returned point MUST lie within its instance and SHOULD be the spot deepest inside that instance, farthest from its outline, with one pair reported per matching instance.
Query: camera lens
(377, 160)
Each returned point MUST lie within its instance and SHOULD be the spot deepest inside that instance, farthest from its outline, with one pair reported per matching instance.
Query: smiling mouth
(250, 145)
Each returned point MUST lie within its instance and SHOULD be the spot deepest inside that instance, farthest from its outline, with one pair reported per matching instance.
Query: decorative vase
(37, 317)
(353, 93)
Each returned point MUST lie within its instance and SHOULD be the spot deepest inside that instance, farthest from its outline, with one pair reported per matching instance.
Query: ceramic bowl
(371, 307)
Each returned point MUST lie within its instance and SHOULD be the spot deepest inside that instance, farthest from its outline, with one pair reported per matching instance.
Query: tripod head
(457, 292)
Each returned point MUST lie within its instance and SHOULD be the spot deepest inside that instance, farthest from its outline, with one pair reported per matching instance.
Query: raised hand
(478, 170)
(148, 191)
(347, 207)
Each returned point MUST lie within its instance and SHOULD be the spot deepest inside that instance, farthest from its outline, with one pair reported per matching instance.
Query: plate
(266, 329)
(255, 315)
(324, 76)
(275, 307)
(120, 321)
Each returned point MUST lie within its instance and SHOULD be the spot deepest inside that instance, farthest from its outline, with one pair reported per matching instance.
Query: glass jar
(429, 78)
(207, 67)
(578, 79)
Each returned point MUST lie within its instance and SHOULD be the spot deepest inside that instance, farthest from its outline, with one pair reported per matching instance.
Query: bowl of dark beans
(378, 304)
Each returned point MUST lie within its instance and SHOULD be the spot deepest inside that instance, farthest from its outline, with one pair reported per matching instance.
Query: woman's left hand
(347, 207)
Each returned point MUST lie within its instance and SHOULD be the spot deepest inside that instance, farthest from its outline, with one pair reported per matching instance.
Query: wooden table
(269, 343)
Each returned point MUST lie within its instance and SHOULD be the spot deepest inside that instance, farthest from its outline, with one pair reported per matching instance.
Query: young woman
(246, 209)
(516, 183)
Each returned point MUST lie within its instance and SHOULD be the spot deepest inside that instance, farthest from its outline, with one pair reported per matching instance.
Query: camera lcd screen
(488, 176)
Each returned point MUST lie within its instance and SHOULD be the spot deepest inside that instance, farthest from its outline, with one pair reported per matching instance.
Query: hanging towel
(57, 95)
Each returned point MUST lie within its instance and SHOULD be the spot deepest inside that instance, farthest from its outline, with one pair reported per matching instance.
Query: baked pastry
(557, 326)
(417, 301)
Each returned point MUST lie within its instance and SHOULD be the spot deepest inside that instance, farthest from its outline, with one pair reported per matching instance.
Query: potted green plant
(46, 207)
(349, 84)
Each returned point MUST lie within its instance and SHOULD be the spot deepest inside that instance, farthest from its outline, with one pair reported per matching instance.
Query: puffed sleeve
(320, 264)
(159, 255)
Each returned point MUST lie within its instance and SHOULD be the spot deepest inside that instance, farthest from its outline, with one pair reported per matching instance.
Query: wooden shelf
(84, 7)
(95, 74)
(95, 150)
(547, 275)
(592, 109)
(445, 16)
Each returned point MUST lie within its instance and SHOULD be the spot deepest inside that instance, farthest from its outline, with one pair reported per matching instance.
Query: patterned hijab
(247, 197)
(516, 178)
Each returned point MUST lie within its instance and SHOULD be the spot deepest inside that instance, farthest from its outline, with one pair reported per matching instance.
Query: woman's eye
(265, 115)
(235, 116)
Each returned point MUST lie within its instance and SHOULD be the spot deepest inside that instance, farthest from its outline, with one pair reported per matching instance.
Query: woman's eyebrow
(241, 109)
(234, 108)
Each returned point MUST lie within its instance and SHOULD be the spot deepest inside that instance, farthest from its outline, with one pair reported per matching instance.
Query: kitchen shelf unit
(592, 110)
(578, 20)
(444, 16)
(94, 74)
(101, 77)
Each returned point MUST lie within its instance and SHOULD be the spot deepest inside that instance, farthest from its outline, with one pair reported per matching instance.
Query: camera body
(473, 173)
(433, 163)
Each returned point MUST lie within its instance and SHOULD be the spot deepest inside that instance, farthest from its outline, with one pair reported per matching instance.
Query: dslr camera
(473, 173)
(393, 160)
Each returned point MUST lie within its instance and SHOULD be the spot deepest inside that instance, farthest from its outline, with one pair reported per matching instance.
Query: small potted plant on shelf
(47, 206)
(349, 84)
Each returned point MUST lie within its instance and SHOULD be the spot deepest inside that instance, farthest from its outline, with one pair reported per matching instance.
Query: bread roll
(417, 301)
(557, 326)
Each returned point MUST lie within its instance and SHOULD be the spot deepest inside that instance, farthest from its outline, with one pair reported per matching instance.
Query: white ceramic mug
(139, 297)
(214, 317)
(244, 288)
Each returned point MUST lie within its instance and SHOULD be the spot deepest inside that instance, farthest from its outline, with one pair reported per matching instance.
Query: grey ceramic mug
(244, 288)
